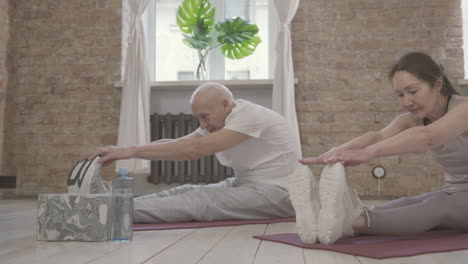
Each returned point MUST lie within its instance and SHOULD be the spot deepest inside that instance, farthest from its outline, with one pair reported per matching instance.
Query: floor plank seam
(259, 244)
(107, 252)
(358, 259)
(214, 246)
(170, 245)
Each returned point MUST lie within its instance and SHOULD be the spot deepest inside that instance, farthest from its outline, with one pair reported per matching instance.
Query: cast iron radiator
(204, 170)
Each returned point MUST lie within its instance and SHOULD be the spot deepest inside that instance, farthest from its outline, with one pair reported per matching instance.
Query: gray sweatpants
(421, 213)
(225, 200)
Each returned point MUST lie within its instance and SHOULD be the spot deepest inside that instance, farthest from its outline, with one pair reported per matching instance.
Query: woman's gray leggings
(421, 213)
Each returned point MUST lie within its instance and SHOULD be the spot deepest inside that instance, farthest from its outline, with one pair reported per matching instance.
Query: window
(185, 76)
(238, 8)
(170, 59)
(237, 75)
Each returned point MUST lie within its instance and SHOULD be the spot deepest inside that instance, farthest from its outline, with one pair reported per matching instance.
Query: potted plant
(237, 37)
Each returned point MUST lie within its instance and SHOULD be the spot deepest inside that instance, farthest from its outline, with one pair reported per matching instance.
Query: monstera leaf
(240, 50)
(198, 41)
(238, 37)
(195, 16)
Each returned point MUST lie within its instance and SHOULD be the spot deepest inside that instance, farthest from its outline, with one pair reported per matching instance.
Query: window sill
(173, 96)
(191, 85)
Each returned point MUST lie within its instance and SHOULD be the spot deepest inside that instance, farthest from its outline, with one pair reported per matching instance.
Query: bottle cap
(123, 171)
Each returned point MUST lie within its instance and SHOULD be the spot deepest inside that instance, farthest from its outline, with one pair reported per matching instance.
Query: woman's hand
(326, 158)
(350, 157)
(354, 157)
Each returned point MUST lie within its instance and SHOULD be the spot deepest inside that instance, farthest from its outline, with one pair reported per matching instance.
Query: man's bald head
(211, 104)
(211, 93)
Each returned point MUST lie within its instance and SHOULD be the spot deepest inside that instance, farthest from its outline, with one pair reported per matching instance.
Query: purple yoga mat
(381, 247)
(184, 225)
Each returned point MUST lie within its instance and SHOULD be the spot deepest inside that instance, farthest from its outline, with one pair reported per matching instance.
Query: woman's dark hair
(424, 68)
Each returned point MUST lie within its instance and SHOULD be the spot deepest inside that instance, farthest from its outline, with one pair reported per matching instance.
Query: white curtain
(283, 84)
(134, 127)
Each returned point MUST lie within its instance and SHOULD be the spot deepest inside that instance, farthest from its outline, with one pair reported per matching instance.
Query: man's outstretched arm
(166, 140)
(186, 148)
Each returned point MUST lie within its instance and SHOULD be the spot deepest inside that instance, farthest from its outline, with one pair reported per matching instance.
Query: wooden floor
(220, 245)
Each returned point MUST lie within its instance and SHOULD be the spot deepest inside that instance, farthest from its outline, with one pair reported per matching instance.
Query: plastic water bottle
(121, 221)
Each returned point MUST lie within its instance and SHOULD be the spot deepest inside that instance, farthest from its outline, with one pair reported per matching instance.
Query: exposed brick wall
(4, 36)
(5, 98)
(342, 51)
(66, 57)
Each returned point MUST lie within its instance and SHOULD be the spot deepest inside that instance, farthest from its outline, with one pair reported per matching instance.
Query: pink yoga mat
(381, 247)
(184, 225)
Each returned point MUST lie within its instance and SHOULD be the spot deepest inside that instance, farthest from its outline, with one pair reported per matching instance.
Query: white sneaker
(340, 206)
(303, 192)
(84, 178)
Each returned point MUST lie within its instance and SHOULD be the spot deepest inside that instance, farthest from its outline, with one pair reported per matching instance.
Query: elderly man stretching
(255, 141)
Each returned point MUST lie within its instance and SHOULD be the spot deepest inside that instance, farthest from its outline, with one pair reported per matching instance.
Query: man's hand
(109, 154)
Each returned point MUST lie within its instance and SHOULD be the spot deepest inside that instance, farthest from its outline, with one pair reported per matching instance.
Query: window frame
(216, 59)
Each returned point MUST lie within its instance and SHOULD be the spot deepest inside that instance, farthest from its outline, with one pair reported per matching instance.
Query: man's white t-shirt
(269, 156)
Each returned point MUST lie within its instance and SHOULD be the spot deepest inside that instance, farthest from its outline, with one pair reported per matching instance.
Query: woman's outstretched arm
(400, 123)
